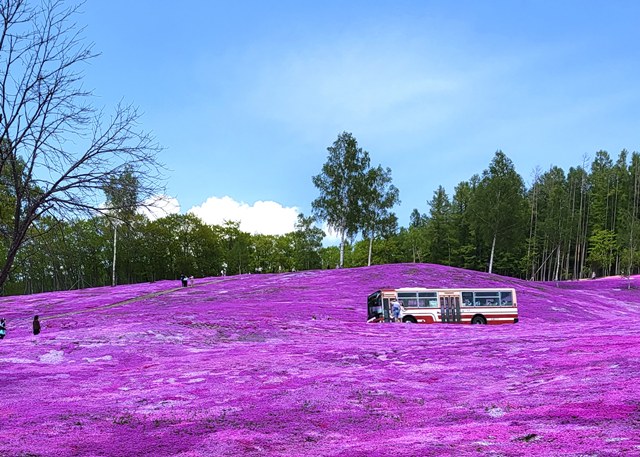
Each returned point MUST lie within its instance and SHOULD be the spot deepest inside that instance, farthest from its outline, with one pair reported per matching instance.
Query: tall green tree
(621, 206)
(633, 213)
(121, 192)
(602, 250)
(439, 228)
(307, 239)
(553, 222)
(467, 248)
(379, 195)
(341, 183)
(237, 247)
(602, 192)
(499, 205)
(416, 235)
(579, 194)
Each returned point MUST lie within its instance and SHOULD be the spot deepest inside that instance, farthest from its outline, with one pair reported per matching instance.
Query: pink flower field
(286, 365)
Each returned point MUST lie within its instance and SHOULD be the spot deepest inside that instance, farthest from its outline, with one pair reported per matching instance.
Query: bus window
(505, 299)
(487, 298)
(427, 300)
(467, 298)
(408, 299)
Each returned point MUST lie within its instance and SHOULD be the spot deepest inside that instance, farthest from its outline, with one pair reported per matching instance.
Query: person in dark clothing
(36, 325)
(184, 280)
(3, 328)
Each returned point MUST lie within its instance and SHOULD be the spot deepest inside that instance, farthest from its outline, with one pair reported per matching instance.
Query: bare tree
(57, 152)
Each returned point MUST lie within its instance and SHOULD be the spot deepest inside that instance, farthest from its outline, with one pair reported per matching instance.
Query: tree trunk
(493, 248)
(115, 240)
(341, 264)
(585, 231)
(532, 229)
(634, 215)
(556, 274)
(19, 235)
(370, 250)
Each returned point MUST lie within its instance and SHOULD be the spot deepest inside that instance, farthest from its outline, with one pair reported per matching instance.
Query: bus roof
(452, 289)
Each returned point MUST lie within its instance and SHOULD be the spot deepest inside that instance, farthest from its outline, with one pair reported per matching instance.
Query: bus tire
(409, 320)
(478, 320)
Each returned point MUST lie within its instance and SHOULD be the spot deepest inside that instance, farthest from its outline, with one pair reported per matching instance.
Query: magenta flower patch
(285, 365)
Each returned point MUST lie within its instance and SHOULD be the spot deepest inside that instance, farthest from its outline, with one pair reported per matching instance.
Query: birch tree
(340, 184)
(122, 200)
(378, 196)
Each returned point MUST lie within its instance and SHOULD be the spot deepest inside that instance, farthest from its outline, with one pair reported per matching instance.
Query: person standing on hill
(3, 328)
(36, 325)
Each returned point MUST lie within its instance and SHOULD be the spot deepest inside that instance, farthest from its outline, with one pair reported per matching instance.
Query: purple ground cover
(285, 365)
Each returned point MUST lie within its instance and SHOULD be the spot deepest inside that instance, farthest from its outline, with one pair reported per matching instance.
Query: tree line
(572, 225)
(563, 226)
(79, 254)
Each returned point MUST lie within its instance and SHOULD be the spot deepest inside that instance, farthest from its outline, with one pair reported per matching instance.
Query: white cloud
(264, 217)
(160, 206)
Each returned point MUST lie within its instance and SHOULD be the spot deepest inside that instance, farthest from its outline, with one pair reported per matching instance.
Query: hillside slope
(285, 365)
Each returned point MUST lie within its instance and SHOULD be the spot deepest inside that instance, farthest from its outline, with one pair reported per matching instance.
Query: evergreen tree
(439, 228)
(466, 245)
(498, 206)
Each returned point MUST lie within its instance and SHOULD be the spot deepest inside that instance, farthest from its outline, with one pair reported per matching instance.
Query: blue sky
(247, 95)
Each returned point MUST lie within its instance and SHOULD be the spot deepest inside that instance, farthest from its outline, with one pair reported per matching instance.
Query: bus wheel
(409, 320)
(478, 320)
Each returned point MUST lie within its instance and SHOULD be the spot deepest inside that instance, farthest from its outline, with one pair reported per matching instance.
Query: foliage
(353, 196)
(553, 230)
(307, 243)
(498, 206)
(340, 183)
(379, 195)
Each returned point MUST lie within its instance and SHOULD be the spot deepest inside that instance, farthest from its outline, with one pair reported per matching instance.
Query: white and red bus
(461, 306)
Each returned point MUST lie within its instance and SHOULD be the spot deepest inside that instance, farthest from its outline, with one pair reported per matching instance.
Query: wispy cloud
(369, 84)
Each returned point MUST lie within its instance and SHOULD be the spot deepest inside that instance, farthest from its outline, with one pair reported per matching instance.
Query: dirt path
(122, 302)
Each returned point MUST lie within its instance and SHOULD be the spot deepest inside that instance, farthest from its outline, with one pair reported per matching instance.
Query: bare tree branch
(57, 151)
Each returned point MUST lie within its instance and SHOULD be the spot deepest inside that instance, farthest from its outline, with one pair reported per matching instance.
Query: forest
(563, 226)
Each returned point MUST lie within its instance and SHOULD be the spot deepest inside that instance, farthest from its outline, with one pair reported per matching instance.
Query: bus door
(386, 310)
(450, 308)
